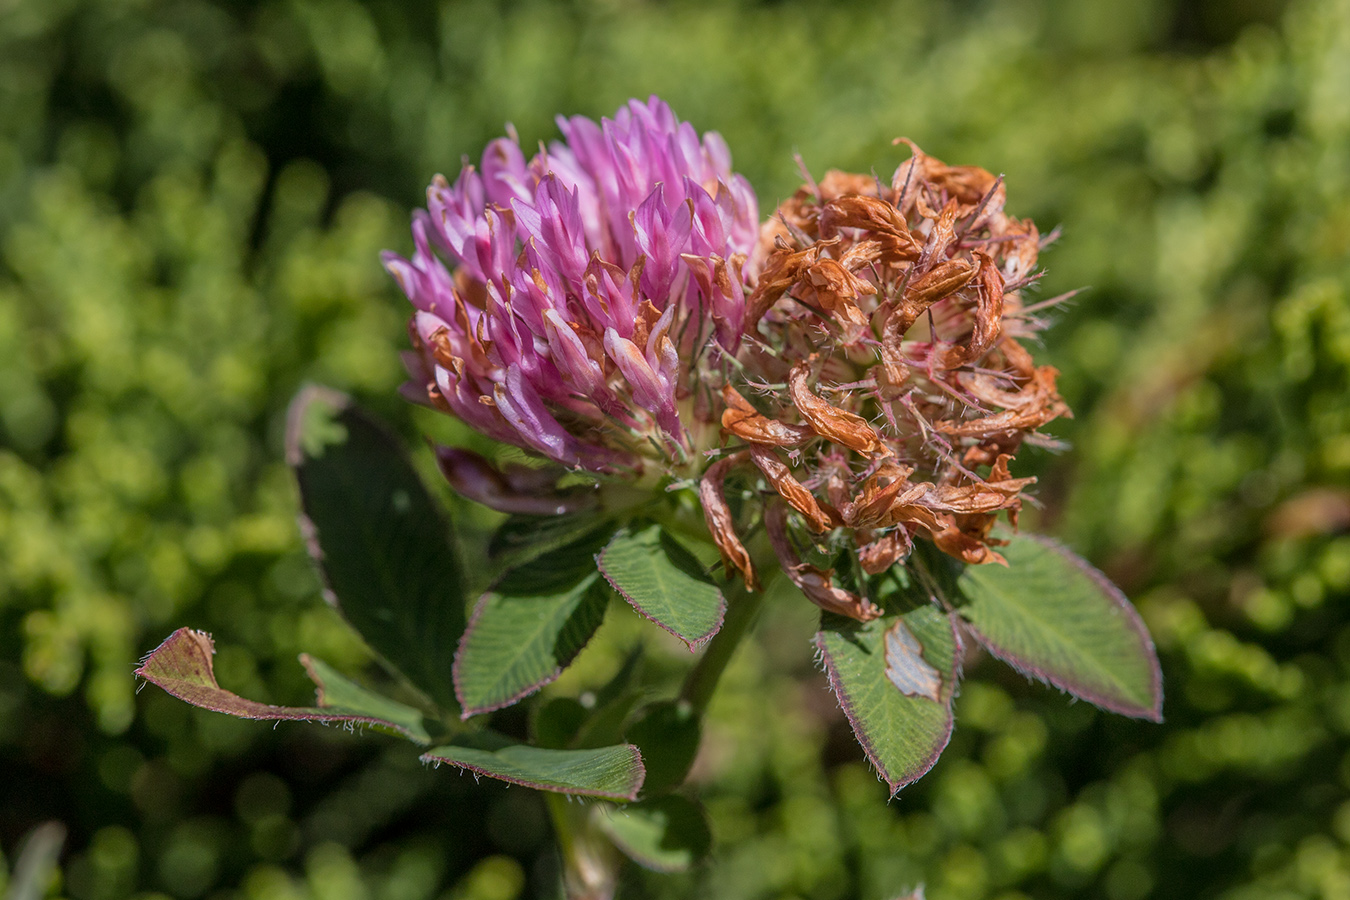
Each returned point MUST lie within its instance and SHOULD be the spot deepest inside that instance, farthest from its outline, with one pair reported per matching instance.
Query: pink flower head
(571, 304)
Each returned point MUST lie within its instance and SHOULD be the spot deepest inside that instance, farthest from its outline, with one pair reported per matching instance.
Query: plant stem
(590, 863)
(742, 610)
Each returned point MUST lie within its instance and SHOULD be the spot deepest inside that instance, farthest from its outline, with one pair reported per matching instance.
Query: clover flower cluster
(585, 287)
(888, 372)
(613, 300)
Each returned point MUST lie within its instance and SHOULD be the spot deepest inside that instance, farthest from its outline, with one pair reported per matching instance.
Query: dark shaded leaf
(667, 733)
(669, 834)
(522, 538)
(557, 722)
(605, 723)
(385, 552)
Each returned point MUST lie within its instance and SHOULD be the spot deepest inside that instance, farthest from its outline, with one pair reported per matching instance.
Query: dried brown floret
(886, 323)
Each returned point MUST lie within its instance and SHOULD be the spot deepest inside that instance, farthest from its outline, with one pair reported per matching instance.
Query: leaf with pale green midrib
(664, 582)
(901, 735)
(668, 834)
(385, 551)
(1052, 616)
(526, 629)
(613, 773)
(182, 666)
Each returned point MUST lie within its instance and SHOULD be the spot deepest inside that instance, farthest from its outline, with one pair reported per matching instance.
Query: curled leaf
(182, 667)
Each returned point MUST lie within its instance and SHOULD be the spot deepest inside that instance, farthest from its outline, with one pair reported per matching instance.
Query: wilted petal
(1042, 405)
(742, 420)
(879, 555)
(721, 526)
(837, 291)
(988, 315)
(790, 489)
(830, 422)
(817, 584)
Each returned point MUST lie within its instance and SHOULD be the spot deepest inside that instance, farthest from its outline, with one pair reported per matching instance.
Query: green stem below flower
(590, 862)
(742, 610)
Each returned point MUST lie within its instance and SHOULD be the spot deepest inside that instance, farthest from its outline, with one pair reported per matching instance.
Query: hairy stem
(590, 863)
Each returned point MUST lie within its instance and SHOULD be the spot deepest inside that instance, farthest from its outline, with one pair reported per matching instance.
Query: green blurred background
(192, 198)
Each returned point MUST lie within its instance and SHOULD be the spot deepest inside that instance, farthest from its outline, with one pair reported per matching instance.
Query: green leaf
(895, 678)
(667, 733)
(1052, 616)
(564, 722)
(557, 722)
(182, 666)
(526, 629)
(614, 773)
(522, 538)
(385, 552)
(669, 834)
(336, 692)
(605, 723)
(664, 582)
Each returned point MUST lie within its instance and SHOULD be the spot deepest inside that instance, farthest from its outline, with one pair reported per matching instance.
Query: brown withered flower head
(883, 389)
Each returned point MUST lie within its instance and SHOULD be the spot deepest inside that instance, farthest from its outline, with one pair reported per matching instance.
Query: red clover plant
(837, 395)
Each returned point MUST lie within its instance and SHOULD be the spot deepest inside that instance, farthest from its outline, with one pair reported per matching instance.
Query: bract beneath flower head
(571, 303)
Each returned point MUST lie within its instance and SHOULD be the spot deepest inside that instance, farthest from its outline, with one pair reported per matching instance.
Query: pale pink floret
(579, 286)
